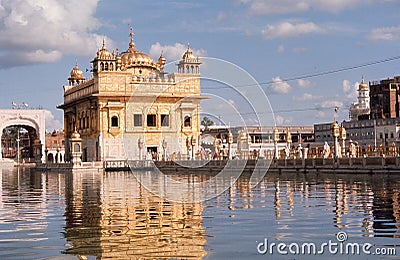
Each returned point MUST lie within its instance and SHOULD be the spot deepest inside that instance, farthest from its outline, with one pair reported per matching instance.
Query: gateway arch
(26, 118)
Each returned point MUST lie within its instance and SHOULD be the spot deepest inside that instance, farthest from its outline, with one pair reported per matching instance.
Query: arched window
(106, 66)
(101, 66)
(187, 121)
(114, 121)
(77, 148)
(111, 67)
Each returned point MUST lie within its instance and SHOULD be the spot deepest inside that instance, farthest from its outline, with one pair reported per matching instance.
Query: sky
(307, 56)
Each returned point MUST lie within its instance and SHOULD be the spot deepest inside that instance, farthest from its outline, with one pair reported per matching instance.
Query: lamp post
(164, 146)
(18, 140)
(230, 141)
(343, 139)
(276, 139)
(288, 138)
(335, 132)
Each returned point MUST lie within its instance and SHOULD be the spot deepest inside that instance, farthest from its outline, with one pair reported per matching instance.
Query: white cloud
(303, 83)
(384, 34)
(265, 7)
(331, 104)
(273, 7)
(306, 97)
(281, 49)
(289, 30)
(173, 52)
(280, 120)
(350, 90)
(279, 87)
(52, 123)
(38, 31)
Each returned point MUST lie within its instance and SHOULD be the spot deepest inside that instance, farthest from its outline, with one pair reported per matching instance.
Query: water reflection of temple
(112, 215)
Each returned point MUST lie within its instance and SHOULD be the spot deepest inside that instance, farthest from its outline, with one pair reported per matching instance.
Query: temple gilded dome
(76, 73)
(188, 56)
(362, 85)
(103, 53)
(136, 58)
(75, 135)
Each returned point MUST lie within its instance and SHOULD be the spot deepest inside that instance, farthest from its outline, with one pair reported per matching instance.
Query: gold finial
(362, 79)
(131, 34)
(104, 43)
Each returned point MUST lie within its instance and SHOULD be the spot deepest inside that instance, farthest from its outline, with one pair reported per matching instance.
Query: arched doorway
(33, 123)
(50, 158)
(22, 137)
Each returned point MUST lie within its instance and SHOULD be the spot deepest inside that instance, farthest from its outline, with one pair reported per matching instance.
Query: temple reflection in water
(113, 216)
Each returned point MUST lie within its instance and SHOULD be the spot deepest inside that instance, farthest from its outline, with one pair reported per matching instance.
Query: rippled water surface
(112, 215)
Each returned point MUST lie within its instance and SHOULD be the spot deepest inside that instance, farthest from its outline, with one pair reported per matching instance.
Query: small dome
(188, 55)
(363, 85)
(161, 60)
(76, 73)
(103, 53)
(75, 135)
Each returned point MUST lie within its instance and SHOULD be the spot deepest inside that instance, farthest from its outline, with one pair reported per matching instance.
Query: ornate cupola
(189, 64)
(104, 60)
(76, 76)
(161, 63)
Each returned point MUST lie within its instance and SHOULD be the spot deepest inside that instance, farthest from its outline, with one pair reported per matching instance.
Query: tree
(206, 122)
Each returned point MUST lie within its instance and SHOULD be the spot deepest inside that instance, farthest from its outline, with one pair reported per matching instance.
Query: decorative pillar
(164, 146)
(76, 149)
(230, 142)
(335, 132)
(288, 143)
(343, 139)
(188, 147)
(140, 146)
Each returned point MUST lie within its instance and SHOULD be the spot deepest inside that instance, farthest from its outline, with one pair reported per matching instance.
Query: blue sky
(271, 40)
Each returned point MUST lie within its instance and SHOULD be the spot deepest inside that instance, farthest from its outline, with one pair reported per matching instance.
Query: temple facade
(131, 108)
